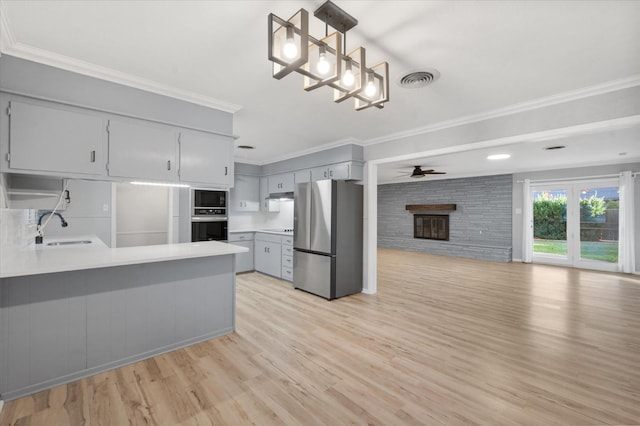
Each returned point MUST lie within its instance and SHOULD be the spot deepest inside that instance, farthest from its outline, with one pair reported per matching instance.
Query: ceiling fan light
(417, 172)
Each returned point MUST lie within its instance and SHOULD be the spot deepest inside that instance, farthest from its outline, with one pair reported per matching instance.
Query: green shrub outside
(550, 217)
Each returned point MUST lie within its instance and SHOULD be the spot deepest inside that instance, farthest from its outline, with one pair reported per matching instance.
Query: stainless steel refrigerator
(327, 238)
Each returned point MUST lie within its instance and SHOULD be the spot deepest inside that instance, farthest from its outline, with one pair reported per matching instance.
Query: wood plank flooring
(445, 341)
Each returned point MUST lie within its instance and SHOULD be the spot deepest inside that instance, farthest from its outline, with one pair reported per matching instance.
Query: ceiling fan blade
(434, 173)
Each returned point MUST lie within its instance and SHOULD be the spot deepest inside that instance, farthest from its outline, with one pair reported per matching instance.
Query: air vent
(246, 147)
(551, 148)
(417, 79)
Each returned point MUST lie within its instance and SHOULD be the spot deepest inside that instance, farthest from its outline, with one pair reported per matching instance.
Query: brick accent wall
(479, 228)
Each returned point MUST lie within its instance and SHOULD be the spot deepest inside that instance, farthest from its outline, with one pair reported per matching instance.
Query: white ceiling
(491, 55)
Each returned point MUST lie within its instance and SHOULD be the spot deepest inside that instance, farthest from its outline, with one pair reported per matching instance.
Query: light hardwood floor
(445, 341)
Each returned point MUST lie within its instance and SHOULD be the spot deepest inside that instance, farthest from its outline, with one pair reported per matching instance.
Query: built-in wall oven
(208, 215)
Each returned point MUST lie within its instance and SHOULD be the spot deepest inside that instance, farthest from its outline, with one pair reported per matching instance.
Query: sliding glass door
(576, 224)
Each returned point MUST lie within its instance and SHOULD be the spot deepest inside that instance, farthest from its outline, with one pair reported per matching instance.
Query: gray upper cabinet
(142, 151)
(206, 158)
(267, 205)
(341, 171)
(245, 194)
(302, 176)
(281, 183)
(55, 140)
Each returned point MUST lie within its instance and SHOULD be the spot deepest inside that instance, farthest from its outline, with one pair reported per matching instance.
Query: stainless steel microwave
(208, 202)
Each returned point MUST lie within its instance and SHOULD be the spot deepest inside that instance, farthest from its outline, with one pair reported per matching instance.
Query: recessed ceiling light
(550, 148)
(498, 157)
(246, 147)
(622, 153)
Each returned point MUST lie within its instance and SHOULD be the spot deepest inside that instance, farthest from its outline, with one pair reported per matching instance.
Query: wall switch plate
(105, 207)
(518, 210)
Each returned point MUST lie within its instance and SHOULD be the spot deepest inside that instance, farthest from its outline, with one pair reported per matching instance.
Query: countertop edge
(32, 263)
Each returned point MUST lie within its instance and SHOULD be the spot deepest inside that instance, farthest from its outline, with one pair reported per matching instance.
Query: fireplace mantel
(430, 207)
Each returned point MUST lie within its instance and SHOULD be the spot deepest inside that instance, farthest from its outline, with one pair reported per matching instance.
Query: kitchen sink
(67, 243)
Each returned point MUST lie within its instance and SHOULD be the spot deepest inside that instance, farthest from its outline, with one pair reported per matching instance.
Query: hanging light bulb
(323, 65)
(290, 50)
(371, 90)
(348, 79)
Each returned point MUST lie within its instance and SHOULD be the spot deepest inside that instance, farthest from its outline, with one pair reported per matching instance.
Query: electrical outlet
(105, 207)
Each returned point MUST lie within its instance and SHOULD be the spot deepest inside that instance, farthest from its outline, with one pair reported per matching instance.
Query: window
(431, 227)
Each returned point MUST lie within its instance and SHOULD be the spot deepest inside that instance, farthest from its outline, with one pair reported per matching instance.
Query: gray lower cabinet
(244, 261)
(287, 258)
(268, 254)
(58, 327)
(43, 138)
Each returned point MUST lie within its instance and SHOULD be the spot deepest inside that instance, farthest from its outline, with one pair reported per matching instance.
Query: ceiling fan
(418, 172)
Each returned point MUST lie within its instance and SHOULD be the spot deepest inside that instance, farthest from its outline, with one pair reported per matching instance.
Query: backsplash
(260, 220)
(17, 229)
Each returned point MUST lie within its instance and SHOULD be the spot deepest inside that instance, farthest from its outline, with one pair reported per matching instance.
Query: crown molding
(6, 35)
(599, 89)
(9, 46)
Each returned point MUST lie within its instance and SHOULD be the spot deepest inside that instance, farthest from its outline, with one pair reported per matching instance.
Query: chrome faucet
(63, 223)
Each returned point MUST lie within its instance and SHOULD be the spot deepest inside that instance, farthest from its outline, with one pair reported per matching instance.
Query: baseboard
(516, 260)
(367, 291)
(1, 405)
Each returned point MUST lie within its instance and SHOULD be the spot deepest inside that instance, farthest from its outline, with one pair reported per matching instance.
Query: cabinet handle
(325, 173)
(169, 165)
(330, 173)
(93, 156)
(225, 170)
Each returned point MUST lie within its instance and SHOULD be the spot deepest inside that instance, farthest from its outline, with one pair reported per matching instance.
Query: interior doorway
(142, 215)
(576, 224)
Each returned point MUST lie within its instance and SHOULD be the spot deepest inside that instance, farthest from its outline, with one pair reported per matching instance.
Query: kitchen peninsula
(71, 312)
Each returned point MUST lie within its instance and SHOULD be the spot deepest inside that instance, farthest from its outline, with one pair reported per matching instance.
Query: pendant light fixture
(325, 62)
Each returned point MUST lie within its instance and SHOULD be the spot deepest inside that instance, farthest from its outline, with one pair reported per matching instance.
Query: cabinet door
(206, 158)
(244, 261)
(339, 171)
(268, 258)
(265, 204)
(55, 140)
(142, 151)
(302, 176)
(281, 183)
(320, 173)
(245, 194)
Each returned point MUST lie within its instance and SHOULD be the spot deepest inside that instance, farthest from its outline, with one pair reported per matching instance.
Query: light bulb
(371, 89)
(323, 65)
(348, 78)
(290, 50)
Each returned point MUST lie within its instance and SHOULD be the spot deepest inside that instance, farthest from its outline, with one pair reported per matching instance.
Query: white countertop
(48, 259)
